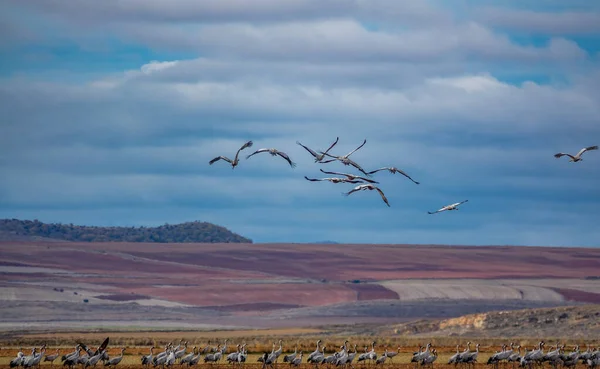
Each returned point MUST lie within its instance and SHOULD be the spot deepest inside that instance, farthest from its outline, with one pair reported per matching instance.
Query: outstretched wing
(350, 176)
(312, 179)
(333, 144)
(586, 149)
(355, 165)
(378, 170)
(331, 156)
(382, 195)
(257, 152)
(437, 211)
(102, 347)
(308, 149)
(83, 346)
(287, 158)
(396, 170)
(333, 173)
(561, 154)
(357, 188)
(366, 179)
(220, 158)
(246, 145)
(460, 203)
(353, 151)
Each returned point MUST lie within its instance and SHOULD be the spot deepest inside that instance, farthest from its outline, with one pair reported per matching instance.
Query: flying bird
(369, 187)
(274, 152)
(333, 180)
(319, 157)
(341, 158)
(350, 176)
(394, 170)
(448, 207)
(346, 160)
(577, 157)
(235, 161)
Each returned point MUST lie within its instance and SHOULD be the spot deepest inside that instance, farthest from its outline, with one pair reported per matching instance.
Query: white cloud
(155, 66)
(480, 83)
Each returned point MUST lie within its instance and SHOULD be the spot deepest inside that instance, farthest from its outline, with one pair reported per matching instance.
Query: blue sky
(112, 110)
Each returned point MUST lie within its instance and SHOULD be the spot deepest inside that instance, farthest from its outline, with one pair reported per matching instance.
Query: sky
(111, 110)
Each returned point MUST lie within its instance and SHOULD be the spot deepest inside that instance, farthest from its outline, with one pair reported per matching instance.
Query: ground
(52, 286)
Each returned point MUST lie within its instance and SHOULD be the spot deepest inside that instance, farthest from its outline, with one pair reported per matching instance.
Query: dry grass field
(257, 344)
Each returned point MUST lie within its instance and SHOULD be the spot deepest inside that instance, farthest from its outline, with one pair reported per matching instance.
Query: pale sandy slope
(483, 289)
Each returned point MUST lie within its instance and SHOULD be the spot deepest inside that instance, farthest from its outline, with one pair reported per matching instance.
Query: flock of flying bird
(364, 183)
(424, 356)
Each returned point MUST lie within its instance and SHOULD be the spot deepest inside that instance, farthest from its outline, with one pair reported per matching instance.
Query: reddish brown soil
(581, 296)
(235, 274)
(239, 308)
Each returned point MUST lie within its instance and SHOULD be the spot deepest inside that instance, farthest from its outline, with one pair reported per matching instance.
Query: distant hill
(201, 232)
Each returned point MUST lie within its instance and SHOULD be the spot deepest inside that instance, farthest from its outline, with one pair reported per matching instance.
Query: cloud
(346, 40)
(566, 23)
(427, 89)
(213, 11)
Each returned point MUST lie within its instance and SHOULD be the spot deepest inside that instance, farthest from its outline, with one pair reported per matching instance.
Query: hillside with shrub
(190, 232)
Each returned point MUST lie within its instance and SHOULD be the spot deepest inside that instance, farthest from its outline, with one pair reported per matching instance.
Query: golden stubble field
(139, 343)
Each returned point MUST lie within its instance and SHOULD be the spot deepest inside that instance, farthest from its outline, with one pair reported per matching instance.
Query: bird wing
(83, 346)
(334, 173)
(219, 158)
(377, 170)
(286, 157)
(351, 177)
(257, 152)
(560, 154)
(357, 188)
(366, 179)
(102, 346)
(343, 180)
(308, 149)
(437, 211)
(333, 144)
(355, 165)
(586, 149)
(328, 161)
(404, 174)
(313, 179)
(382, 195)
(460, 203)
(246, 145)
(331, 156)
(353, 151)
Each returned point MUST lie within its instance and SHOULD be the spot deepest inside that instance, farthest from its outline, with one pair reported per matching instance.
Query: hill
(260, 285)
(570, 321)
(190, 232)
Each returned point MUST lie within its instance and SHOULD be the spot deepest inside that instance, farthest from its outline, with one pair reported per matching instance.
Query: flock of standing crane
(364, 183)
(424, 357)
